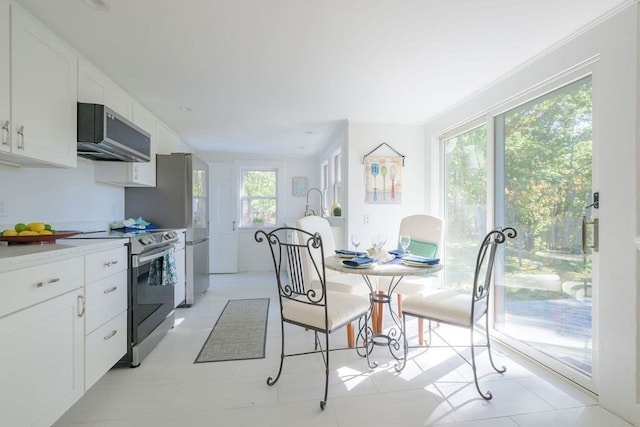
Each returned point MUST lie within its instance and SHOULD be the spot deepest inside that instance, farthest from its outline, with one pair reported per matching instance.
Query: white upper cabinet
(167, 140)
(95, 87)
(5, 110)
(40, 118)
(144, 174)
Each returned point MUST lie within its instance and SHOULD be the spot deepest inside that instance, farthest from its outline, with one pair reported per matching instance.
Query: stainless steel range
(151, 288)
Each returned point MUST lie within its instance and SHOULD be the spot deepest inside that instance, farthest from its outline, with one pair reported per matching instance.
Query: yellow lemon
(9, 233)
(19, 227)
(36, 226)
(45, 233)
(27, 233)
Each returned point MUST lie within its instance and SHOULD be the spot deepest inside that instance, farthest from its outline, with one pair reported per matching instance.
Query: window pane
(466, 203)
(545, 299)
(259, 197)
(259, 183)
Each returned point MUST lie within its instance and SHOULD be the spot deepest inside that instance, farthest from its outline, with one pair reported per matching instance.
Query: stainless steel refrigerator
(179, 200)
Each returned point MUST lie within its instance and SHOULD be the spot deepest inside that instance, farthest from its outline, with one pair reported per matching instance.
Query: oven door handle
(138, 260)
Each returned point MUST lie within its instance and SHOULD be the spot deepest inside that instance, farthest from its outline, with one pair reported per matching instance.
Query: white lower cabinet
(42, 356)
(104, 347)
(63, 325)
(106, 312)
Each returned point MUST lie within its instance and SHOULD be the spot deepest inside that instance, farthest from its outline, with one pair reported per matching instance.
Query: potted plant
(257, 220)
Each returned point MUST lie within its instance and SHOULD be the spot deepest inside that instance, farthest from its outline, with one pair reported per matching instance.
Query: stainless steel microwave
(105, 135)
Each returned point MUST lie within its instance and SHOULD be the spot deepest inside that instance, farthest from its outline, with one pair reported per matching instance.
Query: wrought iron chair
(335, 281)
(305, 304)
(462, 309)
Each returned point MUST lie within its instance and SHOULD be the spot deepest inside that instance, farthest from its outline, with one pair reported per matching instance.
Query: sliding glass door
(542, 175)
(545, 186)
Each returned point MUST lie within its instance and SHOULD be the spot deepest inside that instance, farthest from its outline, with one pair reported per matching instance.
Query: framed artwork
(383, 179)
(300, 184)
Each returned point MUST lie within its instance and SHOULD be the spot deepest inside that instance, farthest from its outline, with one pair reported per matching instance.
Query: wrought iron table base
(373, 337)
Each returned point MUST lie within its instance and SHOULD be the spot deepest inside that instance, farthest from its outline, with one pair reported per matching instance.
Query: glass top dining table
(396, 270)
(392, 268)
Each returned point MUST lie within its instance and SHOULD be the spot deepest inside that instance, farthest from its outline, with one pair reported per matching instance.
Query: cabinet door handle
(41, 284)
(20, 133)
(5, 133)
(111, 289)
(110, 263)
(234, 226)
(110, 335)
(81, 306)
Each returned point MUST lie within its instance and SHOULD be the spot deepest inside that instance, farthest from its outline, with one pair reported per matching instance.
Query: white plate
(345, 256)
(418, 264)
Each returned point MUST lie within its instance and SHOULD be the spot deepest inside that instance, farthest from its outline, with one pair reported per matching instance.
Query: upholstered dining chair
(462, 309)
(341, 282)
(308, 305)
(426, 232)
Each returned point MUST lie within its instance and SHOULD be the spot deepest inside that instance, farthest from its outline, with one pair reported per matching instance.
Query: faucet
(308, 211)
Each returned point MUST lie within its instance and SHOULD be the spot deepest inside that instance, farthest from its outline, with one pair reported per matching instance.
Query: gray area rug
(239, 332)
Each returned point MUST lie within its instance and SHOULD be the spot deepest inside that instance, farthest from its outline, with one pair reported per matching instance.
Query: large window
(541, 174)
(259, 198)
(465, 190)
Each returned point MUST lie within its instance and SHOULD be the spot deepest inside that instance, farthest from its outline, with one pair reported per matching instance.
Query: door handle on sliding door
(596, 231)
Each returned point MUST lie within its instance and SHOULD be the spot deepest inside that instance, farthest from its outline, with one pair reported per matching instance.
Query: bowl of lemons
(34, 232)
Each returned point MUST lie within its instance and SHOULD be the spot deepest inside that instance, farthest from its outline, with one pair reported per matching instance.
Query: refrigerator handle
(234, 225)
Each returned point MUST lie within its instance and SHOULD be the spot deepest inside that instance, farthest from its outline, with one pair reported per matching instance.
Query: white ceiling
(282, 76)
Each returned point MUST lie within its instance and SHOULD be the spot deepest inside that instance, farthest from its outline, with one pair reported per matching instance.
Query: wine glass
(355, 240)
(405, 241)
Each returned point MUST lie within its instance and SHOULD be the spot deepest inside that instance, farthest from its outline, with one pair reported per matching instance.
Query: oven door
(151, 297)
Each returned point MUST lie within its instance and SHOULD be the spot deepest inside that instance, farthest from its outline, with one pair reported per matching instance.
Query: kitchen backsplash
(68, 199)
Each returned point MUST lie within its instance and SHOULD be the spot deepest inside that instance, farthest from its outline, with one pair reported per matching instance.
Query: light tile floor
(435, 388)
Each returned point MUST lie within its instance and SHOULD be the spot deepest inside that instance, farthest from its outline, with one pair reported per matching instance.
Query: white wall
(68, 199)
(407, 139)
(614, 43)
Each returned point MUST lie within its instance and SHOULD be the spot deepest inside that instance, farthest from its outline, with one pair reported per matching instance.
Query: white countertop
(14, 257)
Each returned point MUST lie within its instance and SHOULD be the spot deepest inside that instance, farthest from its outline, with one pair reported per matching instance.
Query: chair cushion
(342, 308)
(444, 305)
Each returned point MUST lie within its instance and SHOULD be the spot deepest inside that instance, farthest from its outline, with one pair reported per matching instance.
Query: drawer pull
(110, 263)
(41, 284)
(20, 132)
(111, 289)
(81, 306)
(5, 133)
(111, 335)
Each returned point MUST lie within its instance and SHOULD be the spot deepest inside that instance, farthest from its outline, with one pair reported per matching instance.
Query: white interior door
(223, 244)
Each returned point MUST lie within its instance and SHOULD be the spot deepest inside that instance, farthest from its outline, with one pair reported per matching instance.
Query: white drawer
(105, 299)
(103, 264)
(104, 347)
(22, 288)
